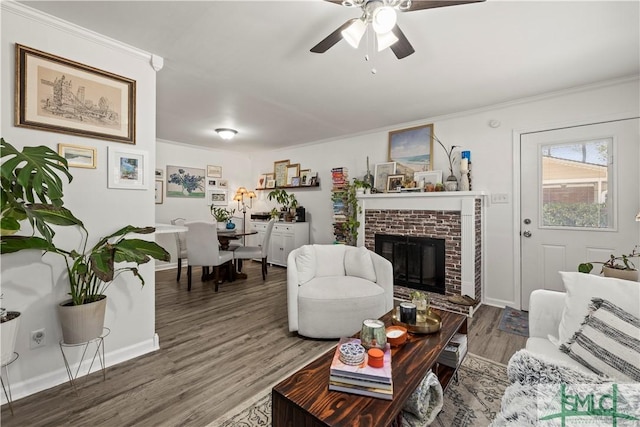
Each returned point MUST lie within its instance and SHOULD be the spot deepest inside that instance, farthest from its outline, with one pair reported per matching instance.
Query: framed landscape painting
(412, 150)
(60, 95)
(78, 156)
(185, 182)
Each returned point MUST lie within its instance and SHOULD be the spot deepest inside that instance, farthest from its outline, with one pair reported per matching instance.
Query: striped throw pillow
(608, 342)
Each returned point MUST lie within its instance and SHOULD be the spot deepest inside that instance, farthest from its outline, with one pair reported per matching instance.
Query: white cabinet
(285, 237)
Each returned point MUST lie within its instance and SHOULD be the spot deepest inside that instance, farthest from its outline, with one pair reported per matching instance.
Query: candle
(464, 165)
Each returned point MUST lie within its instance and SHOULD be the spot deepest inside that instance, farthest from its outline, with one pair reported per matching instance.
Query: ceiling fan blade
(332, 38)
(430, 4)
(402, 48)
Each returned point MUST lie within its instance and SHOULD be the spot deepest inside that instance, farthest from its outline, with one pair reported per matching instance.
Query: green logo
(603, 406)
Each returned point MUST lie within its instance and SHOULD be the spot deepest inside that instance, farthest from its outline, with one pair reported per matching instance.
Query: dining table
(225, 236)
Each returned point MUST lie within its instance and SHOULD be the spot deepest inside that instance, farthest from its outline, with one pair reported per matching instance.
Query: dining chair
(202, 241)
(181, 244)
(260, 251)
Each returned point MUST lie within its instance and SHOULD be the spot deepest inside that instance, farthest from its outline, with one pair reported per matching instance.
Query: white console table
(285, 237)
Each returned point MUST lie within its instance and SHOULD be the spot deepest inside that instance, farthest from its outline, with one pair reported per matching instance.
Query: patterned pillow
(608, 342)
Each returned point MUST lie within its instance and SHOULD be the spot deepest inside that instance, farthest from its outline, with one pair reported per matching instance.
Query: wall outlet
(37, 339)
(499, 198)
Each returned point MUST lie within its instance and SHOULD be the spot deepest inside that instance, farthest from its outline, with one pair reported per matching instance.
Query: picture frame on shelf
(313, 180)
(271, 183)
(159, 174)
(293, 170)
(412, 149)
(78, 156)
(217, 197)
(159, 192)
(305, 177)
(381, 172)
(295, 181)
(394, 183)
(280, 172)
(41, 75)
(187, 182)
(127, 168)
(434, 177)
(262, 182)
(212, 182)
(223, 183)
(214, 171)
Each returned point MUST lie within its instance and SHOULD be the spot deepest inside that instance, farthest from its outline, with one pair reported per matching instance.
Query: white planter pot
(621, 274)
(8, 334)
(82, 323)
(221, 225)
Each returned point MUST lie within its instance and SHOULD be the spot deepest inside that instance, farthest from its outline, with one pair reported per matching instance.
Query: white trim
(59, 376)
(78, 31)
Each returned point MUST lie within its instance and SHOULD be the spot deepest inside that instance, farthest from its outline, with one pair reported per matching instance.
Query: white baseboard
(168, 265)
(499, 303)
(57, 377)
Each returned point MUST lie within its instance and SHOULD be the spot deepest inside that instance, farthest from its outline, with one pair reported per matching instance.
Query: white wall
(492, 163)
(35, 285)
(236, 170)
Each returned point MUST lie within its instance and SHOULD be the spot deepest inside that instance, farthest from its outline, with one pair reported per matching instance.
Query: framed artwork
(223, 183)
(433, 177)
(78, 156)
(262, 181)
(381, 172)
(412, 149)
(271, 183)
(214, 171)
(128, 168)
(394, 183)
(280, 172)
(293, 170)
(59, 95)
(305, 177)
(185, 182)
(159, 173)
(159, 192)
(269, 176)
(217, 197)
(212, 183)
(295, 181)
(314, 180)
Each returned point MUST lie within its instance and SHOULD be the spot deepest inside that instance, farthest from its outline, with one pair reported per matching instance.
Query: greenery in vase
(449, 153)
(621, 262)
(30, 175)
(222, 214)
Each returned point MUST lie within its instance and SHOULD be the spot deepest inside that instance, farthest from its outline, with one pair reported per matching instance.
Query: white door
(578, 199)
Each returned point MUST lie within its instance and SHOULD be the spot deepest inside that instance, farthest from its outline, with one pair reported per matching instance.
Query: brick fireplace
(455, 217)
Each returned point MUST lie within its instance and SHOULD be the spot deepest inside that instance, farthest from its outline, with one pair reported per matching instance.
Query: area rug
(514, 322)
(474, 400)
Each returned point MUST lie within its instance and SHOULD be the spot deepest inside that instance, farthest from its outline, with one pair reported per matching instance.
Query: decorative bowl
(396, 335)
(428, 323)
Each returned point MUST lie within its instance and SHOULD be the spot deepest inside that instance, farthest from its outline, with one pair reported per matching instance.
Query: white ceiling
(247, 65)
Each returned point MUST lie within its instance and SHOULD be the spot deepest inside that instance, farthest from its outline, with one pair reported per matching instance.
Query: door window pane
(576, 178)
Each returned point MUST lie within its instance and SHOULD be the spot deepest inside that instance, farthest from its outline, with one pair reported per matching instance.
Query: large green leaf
(53, 214)
(139, 251)
(11, 244)
(102, 262)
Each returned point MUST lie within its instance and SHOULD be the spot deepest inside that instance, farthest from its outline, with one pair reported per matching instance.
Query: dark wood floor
(216, 352)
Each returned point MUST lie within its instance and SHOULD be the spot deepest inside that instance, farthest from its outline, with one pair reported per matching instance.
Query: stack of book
(361, 379)
(339, 179)
(454, 352)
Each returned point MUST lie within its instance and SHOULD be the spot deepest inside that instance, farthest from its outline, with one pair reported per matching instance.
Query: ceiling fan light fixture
(384, 19)
(385, 40)
(226, 133)
(353, 34)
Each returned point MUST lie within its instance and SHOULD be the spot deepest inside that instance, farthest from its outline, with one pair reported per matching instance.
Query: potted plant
(222, 216)
(361, 186)
(616, 266)
(9, 323)
(451, 183)
(32, 173)
(288, 202)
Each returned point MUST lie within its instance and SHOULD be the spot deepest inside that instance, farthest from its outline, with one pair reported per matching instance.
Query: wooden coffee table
(304, 399)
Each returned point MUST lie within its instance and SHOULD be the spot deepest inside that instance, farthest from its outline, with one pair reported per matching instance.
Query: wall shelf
(290, 187)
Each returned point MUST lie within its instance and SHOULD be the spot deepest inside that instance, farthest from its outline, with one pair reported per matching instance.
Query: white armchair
(331, 289)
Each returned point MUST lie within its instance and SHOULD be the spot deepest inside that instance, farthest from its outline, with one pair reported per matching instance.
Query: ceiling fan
(382, 15)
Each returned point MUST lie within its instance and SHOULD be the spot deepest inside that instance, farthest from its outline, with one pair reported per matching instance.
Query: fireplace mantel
(468, 204)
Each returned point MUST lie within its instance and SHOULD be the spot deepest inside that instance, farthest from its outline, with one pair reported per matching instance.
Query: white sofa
(331, 289)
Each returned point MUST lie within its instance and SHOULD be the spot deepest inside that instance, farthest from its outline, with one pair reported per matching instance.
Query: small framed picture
(222, 183)
(433, 177)
(394, 183)
(305, 177)
(313, 180)
(295, 181)
(78, 156)
(128, 168)
(271, 183)
(159, 192)
(212, 183)
(262, 181)
(159, 174)
(217, 197)
(214, 171)
(293, 170)
(382, 171)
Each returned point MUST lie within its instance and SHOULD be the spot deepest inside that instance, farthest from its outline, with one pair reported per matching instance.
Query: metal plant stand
(7, 388)
(99, 353)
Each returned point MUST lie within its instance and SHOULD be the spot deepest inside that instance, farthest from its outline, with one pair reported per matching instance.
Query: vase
(82, 323)
(230, 226)
(221, 225)
(451, 184)
(8, 334)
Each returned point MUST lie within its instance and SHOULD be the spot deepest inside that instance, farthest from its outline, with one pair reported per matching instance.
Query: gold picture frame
(412, 149)
(293, 170)
(78, 156)
(60, 95)
(280, 172)
(394, 183)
